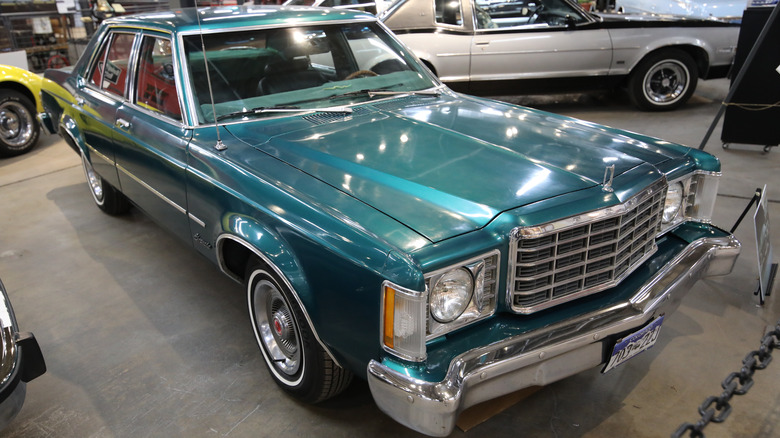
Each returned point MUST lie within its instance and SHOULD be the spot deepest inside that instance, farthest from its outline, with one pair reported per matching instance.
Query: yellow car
(20, 101)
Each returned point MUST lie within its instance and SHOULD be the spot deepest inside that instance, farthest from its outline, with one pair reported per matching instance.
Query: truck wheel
(297, 362)
(106, 196)
(19, 128)
(663, 80)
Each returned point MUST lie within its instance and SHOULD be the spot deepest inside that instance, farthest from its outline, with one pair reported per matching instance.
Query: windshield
(302, 67)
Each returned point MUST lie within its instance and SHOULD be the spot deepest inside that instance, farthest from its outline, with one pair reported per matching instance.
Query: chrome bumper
(541, 357)
(45, 121)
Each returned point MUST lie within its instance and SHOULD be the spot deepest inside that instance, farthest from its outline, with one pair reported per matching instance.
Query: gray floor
(143, 337)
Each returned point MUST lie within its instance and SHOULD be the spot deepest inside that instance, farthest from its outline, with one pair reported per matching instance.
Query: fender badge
(607, 183)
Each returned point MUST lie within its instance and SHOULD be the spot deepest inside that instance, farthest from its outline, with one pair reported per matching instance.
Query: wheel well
(234, 258)
(8, 85)
(430, 66)
(698, 54)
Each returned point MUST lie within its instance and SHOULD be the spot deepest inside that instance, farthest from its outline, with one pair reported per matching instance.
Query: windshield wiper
(282, 109)
(380, 92)
(261, 110)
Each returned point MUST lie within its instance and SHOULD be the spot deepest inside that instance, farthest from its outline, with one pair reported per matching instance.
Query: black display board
(753, 114)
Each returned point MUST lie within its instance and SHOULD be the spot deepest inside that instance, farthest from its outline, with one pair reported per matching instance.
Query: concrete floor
(143, 337)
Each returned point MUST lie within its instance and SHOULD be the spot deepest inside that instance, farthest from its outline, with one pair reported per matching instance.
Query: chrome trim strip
(92, 150)
(593, 216)
(274, 26)
(534, 52)
(546, 355)
(196, 220)
(278, 272)
(178, 207)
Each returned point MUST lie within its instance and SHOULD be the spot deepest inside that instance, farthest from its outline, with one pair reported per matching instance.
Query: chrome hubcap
(16, 125)
(93, 180)
(276, 328)
(666, 82)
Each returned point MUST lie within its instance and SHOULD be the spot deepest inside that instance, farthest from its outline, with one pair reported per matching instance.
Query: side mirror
(570, 22)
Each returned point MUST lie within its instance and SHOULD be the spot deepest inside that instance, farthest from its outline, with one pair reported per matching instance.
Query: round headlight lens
(674, 198)
(451, 294)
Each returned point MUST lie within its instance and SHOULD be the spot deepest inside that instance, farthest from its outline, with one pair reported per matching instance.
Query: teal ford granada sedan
(448, 249)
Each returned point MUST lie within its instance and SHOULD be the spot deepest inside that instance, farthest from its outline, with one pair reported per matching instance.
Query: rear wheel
(297, 362)
(663, 81)
(19, 128)
(106, 196)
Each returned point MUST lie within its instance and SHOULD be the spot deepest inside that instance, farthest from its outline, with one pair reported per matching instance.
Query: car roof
(227, 17)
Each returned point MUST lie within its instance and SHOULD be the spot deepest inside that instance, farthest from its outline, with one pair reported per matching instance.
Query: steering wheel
(360, 74)
(535, 14)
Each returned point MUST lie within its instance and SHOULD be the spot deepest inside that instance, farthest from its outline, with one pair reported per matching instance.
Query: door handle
(122, 124)
(482, 43)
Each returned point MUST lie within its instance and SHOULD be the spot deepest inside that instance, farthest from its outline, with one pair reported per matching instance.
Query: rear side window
(110, 71)
(156, 88)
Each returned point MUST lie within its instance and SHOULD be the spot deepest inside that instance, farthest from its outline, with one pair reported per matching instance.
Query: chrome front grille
(581, 255)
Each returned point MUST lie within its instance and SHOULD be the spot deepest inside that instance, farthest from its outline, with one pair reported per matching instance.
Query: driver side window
(525, 13)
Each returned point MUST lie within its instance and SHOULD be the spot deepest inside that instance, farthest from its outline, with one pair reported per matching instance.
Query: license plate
(634, 344)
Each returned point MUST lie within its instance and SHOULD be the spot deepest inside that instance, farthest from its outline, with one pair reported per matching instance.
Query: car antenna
(219, 146)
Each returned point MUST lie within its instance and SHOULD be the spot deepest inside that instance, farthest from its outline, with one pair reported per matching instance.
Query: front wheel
(297, 362)
(19, 128)
(663, 81)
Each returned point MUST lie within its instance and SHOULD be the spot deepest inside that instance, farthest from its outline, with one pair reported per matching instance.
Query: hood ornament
(607, 183)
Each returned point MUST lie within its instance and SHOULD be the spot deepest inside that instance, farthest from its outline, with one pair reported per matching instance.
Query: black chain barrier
(716, 409)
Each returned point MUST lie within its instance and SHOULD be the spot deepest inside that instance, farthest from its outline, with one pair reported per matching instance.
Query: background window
(449, 12)
(156, 88)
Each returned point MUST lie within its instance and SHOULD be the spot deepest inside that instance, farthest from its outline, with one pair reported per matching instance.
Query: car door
(533, 39)
(151, 140)
(98, 97)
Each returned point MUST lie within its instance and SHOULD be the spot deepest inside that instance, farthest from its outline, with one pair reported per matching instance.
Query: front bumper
(46, 123)
(546, 355)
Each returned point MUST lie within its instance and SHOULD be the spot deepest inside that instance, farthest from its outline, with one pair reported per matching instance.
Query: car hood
(449, 165)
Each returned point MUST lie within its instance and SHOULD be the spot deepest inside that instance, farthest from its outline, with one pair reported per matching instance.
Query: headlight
(451, 294)
(690, 198)
(673, 205)
(462, 294)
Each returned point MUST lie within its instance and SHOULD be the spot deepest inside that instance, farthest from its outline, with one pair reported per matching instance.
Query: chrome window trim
(183, 123)
(192, 109)
(130, 65)
(571, 222)
(139, 32)
(187, 85)
(152, 189)
(220, 241)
